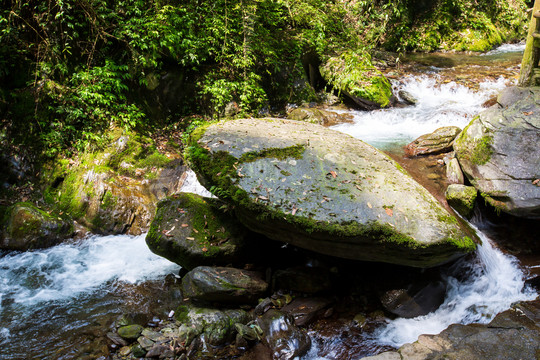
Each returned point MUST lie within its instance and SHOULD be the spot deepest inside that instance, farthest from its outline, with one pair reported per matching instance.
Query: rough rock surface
(325, 191)
(217, 326)
(191, 230)
(439, 141)
(461, 198)
(26, 227)
(319, 116)
(498, 152)
(513, 335)
(410, 304)
(223, 285)
(454, 175)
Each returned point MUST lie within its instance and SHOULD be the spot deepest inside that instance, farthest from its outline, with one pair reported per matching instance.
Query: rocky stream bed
(266, 272)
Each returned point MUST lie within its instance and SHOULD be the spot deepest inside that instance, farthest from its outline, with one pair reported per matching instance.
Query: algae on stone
(342, 197)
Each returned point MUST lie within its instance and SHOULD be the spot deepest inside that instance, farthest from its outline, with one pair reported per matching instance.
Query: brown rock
(439, 141)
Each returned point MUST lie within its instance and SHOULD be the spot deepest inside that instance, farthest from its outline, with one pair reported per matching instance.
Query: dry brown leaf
(527, 113)
(389, 211)
(184, 225)
(536, 182)
(204, 249)
(190, 238)
(369, 205)
(294, 211)
(333, 173)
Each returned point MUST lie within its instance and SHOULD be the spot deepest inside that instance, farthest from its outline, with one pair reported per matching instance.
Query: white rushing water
(438, 105)
(68, 270)
(493, 284)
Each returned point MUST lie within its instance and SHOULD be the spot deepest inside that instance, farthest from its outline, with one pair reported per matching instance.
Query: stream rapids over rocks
(59, 303)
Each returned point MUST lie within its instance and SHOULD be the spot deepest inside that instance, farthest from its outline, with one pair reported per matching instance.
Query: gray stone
(389, 355)
(439, 141)
(513, 335)
(319, 116)
(461, 198)
(325, 191)
(191, 230)
(407, 97)
(454, 175)
(498, 152)
(305, 310)
(223, 285)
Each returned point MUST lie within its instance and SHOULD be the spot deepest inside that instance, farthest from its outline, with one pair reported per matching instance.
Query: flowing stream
(55, 303)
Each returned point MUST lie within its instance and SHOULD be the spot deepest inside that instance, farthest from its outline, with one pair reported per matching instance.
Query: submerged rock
(498, 152)
(407, 97)
(325, 191)
(191, 230)
(319, 116)
(282, 336)
(439, 141)
(223, 285)
(25, 227)
(461, 198)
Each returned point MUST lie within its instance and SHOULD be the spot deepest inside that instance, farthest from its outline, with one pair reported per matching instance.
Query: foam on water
(495, 282)
(438, 105)
(506, 48)
(65, 271)
(192, 185)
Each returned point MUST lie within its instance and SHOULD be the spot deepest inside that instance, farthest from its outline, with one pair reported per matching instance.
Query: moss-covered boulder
(439, 141)
(192, 231)
(462, 198)
(223, 285)
(498, 152)
(319, 116)
(24, 226)
(353, 75)
(325, 191)
(114, 190)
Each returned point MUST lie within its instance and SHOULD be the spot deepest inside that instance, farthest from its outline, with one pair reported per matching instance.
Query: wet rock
(251, 332)
(158, 351)
(309, 280)
(407, 97)
(191, 230)
(285, 340)
(263, 306)
(216, 326)
(223, 285)
(409, 304)
(454, 175)
(306, 310)
(462, 198)
(130, 332)
(437, 142)
(498, 152)
(389, 355)
(138, 351)
(124, 351)
(116, 339)
(319, 116)
(325, 191)
(24, 226)
(145, 343)
(513, 335)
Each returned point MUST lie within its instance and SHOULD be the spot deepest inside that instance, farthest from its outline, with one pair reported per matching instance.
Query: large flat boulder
(499, 153)
(325, 191)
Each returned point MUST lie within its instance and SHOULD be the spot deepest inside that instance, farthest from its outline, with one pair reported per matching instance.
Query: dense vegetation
(71, 69)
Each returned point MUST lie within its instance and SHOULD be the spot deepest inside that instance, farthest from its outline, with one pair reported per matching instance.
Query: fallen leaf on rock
(190, 238)
(294, 211)
(369, 205)
(536, 182)
(333, 173)
(389, 211)
(527, 113)
(204, 249)
(184, 225)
